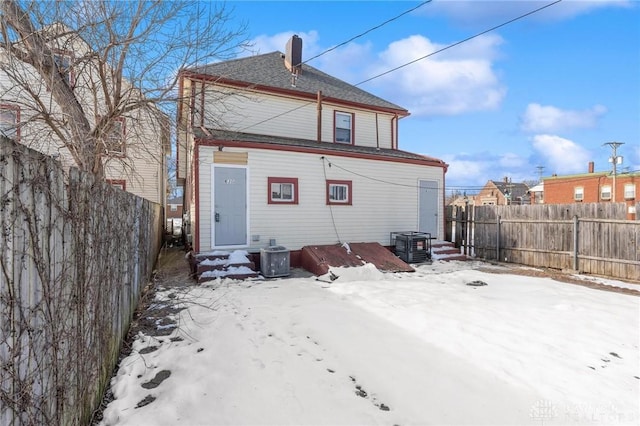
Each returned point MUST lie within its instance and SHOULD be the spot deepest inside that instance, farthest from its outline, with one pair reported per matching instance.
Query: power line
(460, 42)
(415, 60)
(368, 31)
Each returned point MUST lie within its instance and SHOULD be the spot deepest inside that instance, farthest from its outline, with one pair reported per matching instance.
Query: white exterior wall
(144, 168)
(259, 113)
(378, 208)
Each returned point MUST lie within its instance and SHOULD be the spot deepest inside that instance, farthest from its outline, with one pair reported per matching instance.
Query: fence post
(575, 242)
(498, 238)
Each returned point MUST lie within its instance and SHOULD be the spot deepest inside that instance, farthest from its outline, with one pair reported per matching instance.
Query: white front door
(230, 206)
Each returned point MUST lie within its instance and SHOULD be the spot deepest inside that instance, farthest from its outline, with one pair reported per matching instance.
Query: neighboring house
(503, 193)
(594, 187)
(173, 213)
(536, 193)
(275, 152)
(136, 148)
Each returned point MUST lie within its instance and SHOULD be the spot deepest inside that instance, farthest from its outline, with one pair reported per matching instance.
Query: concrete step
(446, 251)
(209, 266)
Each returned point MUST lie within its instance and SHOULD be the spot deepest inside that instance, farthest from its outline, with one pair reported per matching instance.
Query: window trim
(117, 183)
(122, 152)
(352, 129)
(16, 108)
(69, 55)
(348, 184)
(602, 191)
(281, 180)
(632, 194)
(578, 190)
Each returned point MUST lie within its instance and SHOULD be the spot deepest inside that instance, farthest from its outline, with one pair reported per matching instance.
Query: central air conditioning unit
(274, 262)
(412, 247)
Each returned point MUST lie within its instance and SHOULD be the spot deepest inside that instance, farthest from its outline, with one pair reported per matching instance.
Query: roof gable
(268, 70)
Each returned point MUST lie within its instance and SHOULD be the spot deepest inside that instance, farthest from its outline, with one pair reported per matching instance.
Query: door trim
(213, 205)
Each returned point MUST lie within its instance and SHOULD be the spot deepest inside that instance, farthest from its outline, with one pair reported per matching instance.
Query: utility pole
(614, 159)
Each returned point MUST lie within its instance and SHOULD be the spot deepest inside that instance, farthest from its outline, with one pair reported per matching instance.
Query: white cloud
(278, 42)
(562, 155)
(549, 119)
(470, 172)
(459, 81)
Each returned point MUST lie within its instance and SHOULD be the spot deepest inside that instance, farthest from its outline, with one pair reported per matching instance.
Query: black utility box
(412, 247)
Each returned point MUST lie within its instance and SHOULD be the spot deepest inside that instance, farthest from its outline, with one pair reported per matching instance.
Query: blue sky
(547, 90)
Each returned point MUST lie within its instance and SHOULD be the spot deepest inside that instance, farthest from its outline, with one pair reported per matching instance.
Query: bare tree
(79, 69)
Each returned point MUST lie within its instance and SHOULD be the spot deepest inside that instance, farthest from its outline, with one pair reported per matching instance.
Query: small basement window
(339, 192)
(118, 183)
(282, 190)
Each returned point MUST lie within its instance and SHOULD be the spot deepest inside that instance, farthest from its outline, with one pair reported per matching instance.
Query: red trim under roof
(222, 81)
(427, 161)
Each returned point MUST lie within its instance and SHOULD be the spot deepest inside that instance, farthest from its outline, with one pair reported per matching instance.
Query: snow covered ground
(388, 349)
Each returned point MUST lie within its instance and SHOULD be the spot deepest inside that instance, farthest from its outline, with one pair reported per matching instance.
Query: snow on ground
(372, 348)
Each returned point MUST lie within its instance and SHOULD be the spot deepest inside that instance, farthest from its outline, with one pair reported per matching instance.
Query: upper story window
(629, 191)
(339, 192)
(605, 192)
(9, 120)
(64, 60)
(578, 193)
(343, 127)
(174, 207)
(115, 137)
(282, 190)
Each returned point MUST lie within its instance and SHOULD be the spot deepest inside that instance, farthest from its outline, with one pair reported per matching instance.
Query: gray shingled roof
(222, 135)
(517, 189)
(269, 70)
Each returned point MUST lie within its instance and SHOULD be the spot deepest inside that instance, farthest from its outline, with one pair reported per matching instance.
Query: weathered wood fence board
(75, 254)
(592, 238)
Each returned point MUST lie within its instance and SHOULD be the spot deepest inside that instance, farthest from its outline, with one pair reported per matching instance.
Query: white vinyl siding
(260, 114)
(377, 208)
(265, 114)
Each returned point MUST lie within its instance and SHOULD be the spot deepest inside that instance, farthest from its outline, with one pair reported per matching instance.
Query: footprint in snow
(157, 380)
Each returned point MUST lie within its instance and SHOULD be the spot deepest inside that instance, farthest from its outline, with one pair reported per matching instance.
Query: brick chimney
(591, 166)
(293, 55)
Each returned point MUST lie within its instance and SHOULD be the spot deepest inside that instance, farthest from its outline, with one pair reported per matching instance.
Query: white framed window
(339, 192)
(343, 127)
(605, 192)
(578, 193)
(9, 120)
(174, 207)
(64, 60)
(629, 191)
(115, 137)
(282, 190)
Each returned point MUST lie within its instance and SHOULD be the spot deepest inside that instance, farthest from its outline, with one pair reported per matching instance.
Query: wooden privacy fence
(591, 238)
(75, 256)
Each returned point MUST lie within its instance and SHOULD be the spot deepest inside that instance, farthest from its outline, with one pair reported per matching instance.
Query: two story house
(503, 193)
(594, 187)
(136, 147)
(272, 151)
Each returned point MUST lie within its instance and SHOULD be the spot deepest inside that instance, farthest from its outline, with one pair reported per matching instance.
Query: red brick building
(594, 187)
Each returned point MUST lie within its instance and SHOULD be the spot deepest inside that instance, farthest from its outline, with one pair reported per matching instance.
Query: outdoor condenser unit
(412, 247)
(274, 262)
